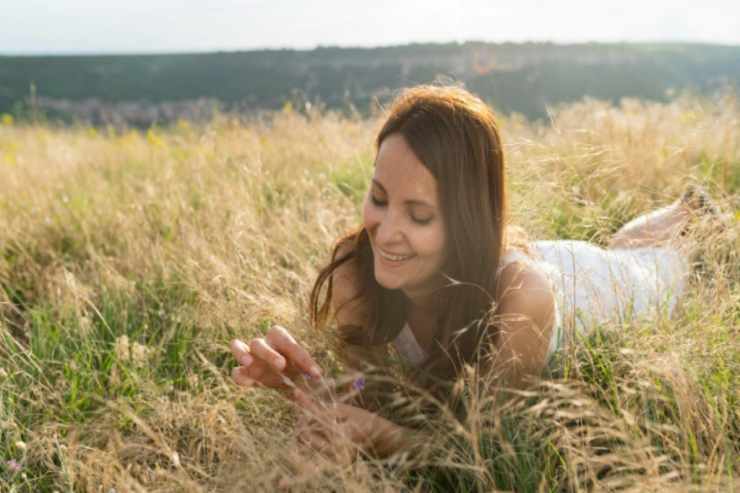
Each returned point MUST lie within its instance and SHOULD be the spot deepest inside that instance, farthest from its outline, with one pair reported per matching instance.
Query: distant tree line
(524, 78)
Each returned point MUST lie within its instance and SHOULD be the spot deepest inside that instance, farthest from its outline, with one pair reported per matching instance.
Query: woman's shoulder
(526, 312)
(512, 256)
(524, 286)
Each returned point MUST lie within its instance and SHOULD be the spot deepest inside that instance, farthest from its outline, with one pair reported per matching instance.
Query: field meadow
(130, 259)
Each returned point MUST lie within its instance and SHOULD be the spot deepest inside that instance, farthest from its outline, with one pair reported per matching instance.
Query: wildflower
(154, 139)
(307, 375)
(14, 465)
(7, 118)
(139, 352)
(358, 384)
(122, 348)
(9, 159)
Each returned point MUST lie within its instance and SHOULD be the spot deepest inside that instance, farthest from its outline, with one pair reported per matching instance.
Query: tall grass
(128, 261)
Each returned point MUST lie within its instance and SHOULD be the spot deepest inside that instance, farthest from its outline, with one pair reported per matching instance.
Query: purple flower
(307, 375)
(358, 383)
(14, 465)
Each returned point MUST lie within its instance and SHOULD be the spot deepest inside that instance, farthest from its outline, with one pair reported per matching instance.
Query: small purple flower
(14, 465)
(358, 383)
(307, 375)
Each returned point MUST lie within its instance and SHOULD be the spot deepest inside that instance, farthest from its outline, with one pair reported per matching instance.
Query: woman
(436, 276)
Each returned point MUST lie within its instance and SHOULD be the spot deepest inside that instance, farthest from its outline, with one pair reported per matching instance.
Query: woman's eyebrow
(381, 187)
(406, 202)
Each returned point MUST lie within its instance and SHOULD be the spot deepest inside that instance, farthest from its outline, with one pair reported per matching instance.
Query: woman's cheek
(430, 244)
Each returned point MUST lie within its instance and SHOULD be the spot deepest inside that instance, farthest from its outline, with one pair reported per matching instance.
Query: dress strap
(511, 256)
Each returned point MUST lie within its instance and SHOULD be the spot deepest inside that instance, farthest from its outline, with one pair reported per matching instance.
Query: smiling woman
(427, 260)
(436, 277)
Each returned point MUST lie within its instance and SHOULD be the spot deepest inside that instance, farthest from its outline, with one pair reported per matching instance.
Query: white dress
(593, 286)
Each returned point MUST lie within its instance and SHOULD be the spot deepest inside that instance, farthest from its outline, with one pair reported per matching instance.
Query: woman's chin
(388, 282)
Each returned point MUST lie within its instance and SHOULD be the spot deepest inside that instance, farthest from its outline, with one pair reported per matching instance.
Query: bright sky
(155, 26)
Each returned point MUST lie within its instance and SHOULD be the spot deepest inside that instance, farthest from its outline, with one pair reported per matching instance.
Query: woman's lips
(394, 260)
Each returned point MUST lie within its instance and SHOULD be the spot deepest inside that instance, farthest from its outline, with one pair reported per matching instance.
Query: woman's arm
(525, 315)
(339, 430)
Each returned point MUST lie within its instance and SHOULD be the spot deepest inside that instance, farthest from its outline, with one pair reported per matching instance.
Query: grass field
(128, 261)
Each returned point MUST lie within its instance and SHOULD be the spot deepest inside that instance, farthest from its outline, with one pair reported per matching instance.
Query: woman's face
(402, 217)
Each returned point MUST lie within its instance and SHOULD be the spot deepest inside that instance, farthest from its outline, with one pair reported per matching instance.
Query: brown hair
(455, 135)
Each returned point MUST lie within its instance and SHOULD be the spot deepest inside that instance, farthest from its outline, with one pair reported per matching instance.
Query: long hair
(455, 136)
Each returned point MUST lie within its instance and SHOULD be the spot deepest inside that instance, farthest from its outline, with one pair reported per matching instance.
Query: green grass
(128, 263)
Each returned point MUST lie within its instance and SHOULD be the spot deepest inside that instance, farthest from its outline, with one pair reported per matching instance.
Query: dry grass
(127, 263)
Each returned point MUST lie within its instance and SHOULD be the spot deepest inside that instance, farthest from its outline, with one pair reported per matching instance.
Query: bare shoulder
(525, 314)
(524, 289)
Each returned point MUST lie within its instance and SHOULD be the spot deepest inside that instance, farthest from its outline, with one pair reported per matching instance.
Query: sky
(168, 26)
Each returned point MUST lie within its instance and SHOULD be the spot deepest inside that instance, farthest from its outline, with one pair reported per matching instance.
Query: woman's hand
(270, 359)
(339, 431)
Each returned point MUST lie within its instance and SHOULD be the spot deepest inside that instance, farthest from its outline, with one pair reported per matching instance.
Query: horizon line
(362, 47)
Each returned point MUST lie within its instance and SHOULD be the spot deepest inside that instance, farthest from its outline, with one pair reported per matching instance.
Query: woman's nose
(389, 230)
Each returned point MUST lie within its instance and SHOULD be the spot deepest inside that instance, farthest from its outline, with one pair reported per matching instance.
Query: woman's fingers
(309, 406)
(336, 449)
(283, 342)
(240, 378)
(241, 353)
(278, 350)
(261, 350)
(316, 441)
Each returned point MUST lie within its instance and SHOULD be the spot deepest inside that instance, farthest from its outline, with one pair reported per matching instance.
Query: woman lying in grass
(435, 277)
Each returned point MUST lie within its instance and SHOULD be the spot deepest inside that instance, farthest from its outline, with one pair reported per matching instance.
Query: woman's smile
(396, 259)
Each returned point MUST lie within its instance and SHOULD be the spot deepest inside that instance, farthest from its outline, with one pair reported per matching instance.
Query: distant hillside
(513, 77)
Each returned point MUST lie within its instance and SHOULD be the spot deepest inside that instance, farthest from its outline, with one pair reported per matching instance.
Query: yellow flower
(288, 107)
(154, 139)
(7, 119)
(9, 160)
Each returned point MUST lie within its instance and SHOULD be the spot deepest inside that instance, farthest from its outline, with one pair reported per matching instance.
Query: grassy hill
(525, 78)
(128, 261)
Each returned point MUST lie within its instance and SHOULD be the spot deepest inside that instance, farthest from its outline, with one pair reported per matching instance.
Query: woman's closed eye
(421, 221)
(376, 202)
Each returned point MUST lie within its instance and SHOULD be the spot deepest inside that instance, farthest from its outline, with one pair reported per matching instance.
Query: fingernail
(248, 382)
(279, 363)
(247, 360)
(316, 371)
(296, 393)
